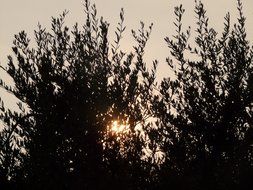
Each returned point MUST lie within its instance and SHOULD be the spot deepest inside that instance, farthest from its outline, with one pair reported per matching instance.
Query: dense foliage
(74, 87)
(208, 129)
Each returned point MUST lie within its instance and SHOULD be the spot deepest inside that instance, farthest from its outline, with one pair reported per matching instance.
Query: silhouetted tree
(11, 146)
(206, 113)
(73, 88)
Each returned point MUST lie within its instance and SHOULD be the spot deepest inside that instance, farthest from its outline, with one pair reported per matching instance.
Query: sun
(117, 127)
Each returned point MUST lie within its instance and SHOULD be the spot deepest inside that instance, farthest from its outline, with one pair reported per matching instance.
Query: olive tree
(205, 114)
(74, 85)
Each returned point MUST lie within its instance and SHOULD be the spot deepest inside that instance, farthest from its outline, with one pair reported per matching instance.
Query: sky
(17, 15)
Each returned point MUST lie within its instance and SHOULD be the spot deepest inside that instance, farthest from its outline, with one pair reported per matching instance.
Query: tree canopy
(208, 130)
(92, 116)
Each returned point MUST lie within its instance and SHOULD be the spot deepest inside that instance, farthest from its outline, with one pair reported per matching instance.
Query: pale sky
(17, 15)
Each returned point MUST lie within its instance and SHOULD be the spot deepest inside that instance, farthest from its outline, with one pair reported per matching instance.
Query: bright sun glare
(117, 127)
